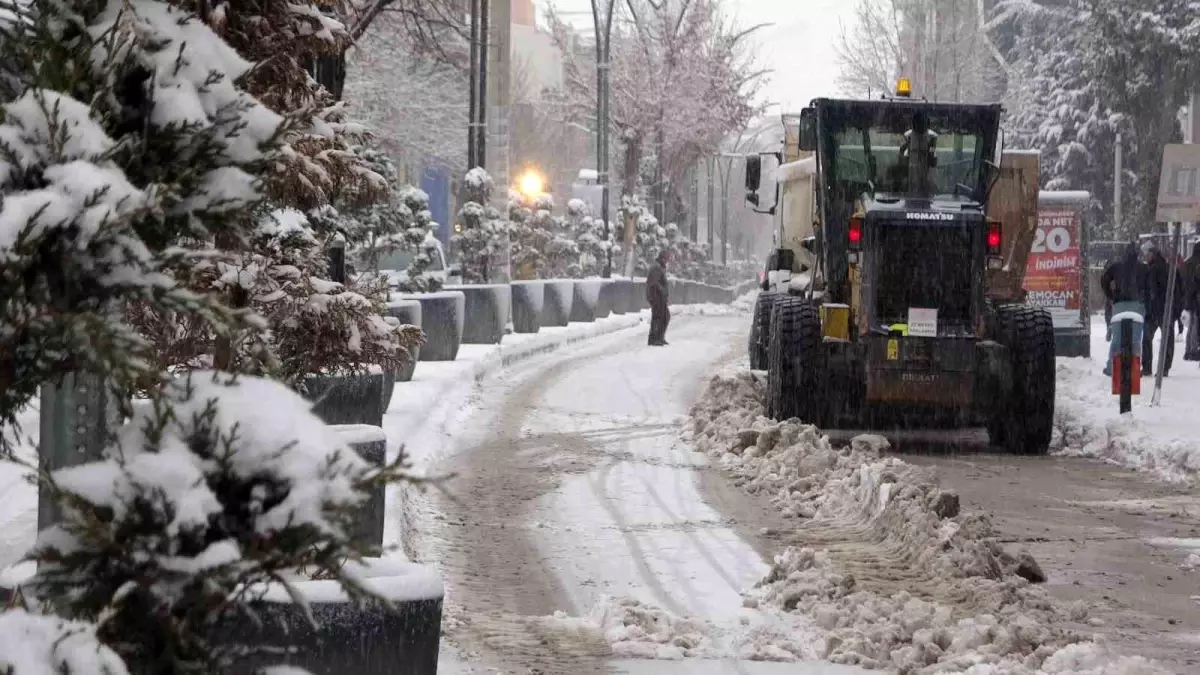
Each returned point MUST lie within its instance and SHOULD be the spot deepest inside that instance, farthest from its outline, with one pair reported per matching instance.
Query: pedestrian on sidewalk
(1126, 285)
(1156, 319)
(1191, 293)
(657, 292)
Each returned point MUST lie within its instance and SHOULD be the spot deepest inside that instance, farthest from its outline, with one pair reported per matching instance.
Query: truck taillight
(994, 238)
(855, 234)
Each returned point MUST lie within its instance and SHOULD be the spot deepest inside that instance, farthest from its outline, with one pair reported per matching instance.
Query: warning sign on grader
(1054, 274)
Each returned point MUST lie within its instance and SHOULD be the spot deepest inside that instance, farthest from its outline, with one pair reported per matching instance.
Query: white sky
(798, 47)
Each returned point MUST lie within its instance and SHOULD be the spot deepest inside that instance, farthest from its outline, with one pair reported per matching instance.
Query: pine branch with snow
(32, 644)
(221, 486)
(480, 241)
(126, 152)
(98, 197)
(318, 164)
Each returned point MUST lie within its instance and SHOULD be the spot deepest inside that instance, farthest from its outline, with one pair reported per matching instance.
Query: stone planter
(622, 296)
(350, 399)
(528, 302)
(586, 300)
(408, 312)
(368, 640)
(638, 295)
(371, 444)
(557, 303)
(608, 298)
(486, 312)
(675, 292)
(442, 320)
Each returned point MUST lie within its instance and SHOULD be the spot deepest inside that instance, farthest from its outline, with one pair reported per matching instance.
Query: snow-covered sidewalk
(1164, 440)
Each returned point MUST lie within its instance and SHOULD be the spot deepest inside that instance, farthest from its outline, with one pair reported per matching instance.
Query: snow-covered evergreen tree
(561, 251)
(402, 222)
(528, 240)
(418, 236)
(480, 241)
(320, 186)
(1084, 70)
(543, 245)
(223, 485)
(127, 147)
(592, 242)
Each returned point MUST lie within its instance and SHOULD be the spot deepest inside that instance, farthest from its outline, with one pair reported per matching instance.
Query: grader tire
(760, 330)
(796, 369)
(1025, 422)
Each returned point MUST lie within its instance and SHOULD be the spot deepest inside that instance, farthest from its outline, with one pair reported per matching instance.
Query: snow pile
(639, 630)
(31, 644)
(743, 305)
(1164, 441)
(894, 573)
(745, 302)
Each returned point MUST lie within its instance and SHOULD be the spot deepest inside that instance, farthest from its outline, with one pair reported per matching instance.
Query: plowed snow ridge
(890, 569)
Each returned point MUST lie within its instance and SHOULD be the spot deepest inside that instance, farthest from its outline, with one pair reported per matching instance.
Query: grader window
(907, 151)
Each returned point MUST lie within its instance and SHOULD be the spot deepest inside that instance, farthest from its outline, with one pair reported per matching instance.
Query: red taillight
(994, 238)
(855, 233)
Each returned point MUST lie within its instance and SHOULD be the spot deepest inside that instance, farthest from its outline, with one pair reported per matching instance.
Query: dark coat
(1191, 278)
(1160, 276)
(657, 288)
(1127, 279)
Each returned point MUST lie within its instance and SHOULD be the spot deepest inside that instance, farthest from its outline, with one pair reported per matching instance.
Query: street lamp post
(602, 19)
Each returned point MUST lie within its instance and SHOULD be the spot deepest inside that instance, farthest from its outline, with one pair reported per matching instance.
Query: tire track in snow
(500, 586)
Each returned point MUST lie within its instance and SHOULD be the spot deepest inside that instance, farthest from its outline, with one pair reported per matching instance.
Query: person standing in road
(1191, 292)
(1126, 285)
(656, 295)
(1156, 319)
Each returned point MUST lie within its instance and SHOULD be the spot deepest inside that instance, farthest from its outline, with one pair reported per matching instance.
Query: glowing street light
(531, 184)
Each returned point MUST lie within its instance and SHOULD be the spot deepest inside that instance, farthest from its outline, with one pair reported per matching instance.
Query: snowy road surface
(573, 488)
(1106, 536)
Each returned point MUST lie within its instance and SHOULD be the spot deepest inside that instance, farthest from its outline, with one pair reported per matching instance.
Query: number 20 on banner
(1052, 240)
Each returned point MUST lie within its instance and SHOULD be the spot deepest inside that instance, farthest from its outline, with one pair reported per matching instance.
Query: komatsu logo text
(925, 215)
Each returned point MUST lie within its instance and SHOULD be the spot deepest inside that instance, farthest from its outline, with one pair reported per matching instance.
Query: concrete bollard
(442, 320)
(486, 312)
(407, 312)
(370, 442)
(558, 302)
(586, 301)
(528, 303)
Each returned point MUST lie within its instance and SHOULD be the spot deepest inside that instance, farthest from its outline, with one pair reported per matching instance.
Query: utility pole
(1118, 170)
(473, 94)
(602, 20)
(709, 168)
(1193, 134)
(496, 22)
(484, 55)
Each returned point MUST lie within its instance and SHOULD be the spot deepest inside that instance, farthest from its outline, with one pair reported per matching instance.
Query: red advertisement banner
(1054, 275)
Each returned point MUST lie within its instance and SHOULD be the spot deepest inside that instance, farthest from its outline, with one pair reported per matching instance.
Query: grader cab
(903, 313)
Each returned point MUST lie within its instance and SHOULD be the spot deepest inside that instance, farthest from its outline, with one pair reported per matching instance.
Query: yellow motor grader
(895, 294)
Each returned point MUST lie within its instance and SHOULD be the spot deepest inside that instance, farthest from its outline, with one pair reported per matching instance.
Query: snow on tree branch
(31, 644)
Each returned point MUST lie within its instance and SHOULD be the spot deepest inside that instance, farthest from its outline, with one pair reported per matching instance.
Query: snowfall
(961, 604)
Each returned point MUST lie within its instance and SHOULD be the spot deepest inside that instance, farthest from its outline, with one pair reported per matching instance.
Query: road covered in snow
(575, 537)
(598, 521)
